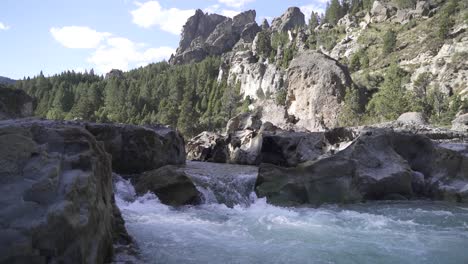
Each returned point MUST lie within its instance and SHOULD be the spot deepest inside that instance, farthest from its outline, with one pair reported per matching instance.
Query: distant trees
(314, 20)
(187, 96)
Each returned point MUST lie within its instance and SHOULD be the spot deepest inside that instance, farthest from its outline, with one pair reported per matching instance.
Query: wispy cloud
(316, 7)
(151, 14)
(218, 10)
(109, 51)
(235, 3)
(3, 26)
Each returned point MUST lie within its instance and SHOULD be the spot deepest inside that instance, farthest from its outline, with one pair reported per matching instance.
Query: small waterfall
(224, 183)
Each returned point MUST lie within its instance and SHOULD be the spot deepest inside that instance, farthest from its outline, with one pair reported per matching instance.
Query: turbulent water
(232, 226)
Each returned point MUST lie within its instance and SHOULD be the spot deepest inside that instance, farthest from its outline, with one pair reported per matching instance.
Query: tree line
(188, 97)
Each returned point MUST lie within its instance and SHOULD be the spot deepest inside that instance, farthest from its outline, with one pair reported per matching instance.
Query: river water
(233, 226)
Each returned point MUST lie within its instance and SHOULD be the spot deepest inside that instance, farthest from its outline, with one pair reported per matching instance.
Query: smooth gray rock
(414, 118)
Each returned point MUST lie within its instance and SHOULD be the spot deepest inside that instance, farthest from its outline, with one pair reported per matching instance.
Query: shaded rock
(415, 118)
(316, 87)
(114, 73)
(460, 123)
(137, 149)
(244, 121)
(15, 103)
(292, 18)
(249, 32)
(173, 187)
(379, 164)
(57, 199)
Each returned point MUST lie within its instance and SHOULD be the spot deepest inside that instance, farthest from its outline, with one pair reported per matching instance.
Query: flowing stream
(233, 226)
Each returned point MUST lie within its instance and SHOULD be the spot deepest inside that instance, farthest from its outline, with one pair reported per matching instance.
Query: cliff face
(282, 70)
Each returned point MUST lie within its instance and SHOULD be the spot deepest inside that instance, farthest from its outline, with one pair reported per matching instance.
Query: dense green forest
(187, 96)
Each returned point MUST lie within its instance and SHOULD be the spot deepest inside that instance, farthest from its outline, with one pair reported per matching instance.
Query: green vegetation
(187, 96)
(389, 42)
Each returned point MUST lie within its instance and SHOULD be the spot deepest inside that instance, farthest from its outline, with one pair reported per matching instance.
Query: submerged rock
(173, 187)
(57, 200)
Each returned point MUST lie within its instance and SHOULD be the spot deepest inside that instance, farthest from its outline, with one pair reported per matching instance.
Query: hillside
(361, 62)
(5, 80)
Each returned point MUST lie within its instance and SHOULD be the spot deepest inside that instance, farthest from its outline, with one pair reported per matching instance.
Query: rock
(213, 35)
(380, 12)
(208, 146)
(422, 9)
(292, 18)
(137, 149)
(402, 16)
(460, 123)
(114, 73)
(256, 79)
(265, 24)
(173, 187)
(348, 21)
(378, 165)
(15, 103)
(316, 87)
(415, 118)
(244, 121)
(57, 199)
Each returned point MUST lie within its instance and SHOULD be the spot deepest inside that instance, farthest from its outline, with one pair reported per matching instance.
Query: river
(234, 226)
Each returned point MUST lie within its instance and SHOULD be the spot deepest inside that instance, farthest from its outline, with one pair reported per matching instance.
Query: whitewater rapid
(239, 228)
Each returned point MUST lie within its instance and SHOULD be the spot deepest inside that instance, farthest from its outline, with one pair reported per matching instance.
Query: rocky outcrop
(137, 149)
(316, 87)
(460, 123)
(173, 187)
(257, 79)
(210, 34)
(57, 200)
(379, 164)
(381, 11)
(292, 18)
(15, 103)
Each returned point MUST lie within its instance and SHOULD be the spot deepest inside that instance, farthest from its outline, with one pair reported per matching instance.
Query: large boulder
(57, 200)
(15, 103)
(381, 12)
(379, 164)
(413, 118)
(292, 18)
(213, 35)
(136, 149)
(208, 146)
(316, 88)
(172, 186)
(460, 123)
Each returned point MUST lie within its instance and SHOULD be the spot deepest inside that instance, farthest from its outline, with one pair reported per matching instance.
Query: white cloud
(3, 26)
(121, 53)
(218, 10)
(151, 14)
(235, 3)
(307, 9)
(78, 37)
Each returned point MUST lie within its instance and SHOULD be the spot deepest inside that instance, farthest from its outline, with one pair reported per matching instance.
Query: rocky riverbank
(57, 201)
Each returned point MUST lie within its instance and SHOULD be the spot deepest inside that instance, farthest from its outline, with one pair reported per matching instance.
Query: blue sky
(58, 35)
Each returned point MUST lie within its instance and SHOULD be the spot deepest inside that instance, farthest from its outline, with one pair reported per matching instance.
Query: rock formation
(210, 34)
(316, 87)
(15, 104)
(460, 123)
(292, 18)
